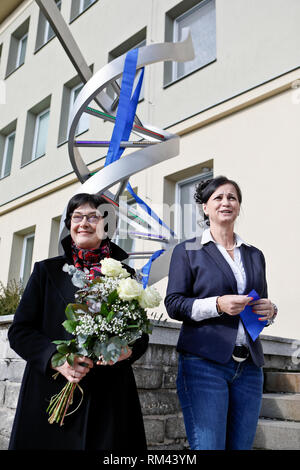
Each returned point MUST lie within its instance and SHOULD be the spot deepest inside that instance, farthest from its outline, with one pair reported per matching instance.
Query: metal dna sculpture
(153, 145)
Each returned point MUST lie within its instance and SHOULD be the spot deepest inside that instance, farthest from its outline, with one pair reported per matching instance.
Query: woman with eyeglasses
(109, 417)
(220, 377)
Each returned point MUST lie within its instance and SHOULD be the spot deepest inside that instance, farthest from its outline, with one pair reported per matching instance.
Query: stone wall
(155, 375)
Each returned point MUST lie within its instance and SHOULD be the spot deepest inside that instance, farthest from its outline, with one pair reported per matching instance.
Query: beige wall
(256, 146)
(238, 115)
(256, 42)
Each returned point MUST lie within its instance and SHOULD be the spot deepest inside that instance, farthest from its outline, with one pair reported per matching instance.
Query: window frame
(36, 131)
(71, 104)
(82, 8)
(180, 11)
(118, 241)
(3, 165)
(48, 26)
(23, 256)
(78, 8)
(20, 41)
(177, 218)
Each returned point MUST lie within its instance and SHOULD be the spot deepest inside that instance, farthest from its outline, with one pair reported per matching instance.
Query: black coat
(109, 417)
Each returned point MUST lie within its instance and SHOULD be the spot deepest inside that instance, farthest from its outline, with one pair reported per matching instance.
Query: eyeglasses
(91, 218)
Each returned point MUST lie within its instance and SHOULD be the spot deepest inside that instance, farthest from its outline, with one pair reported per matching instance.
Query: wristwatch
(274, 316)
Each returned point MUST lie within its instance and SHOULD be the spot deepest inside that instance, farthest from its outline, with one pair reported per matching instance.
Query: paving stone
(277, 435)
(175, 428)
(148, 378)
(155, 430)
(6, 421)
(282, 406)
(160, 402)
(282, 382)
(12, 394)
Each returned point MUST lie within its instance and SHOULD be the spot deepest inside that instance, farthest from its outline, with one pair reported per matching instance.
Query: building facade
(236, 107)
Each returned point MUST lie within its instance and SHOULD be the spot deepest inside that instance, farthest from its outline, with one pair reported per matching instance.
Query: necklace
(231, 249)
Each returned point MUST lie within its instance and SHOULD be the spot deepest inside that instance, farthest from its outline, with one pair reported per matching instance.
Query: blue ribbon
(126, 108)
(122, 129)
(147, 208)
(250, 320)
(145, 271)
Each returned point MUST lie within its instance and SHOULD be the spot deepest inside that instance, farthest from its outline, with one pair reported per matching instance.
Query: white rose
(129, 289)
(149, 298)
(112, 268)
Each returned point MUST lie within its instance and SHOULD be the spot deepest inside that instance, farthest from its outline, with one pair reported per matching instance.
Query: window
(26, 259)
(201, 20)
(84, 121)
(71, 90)
(54, 237)
(17, 48)
(21, 51)
(40, 134)
(7, 141)
(79, 6)
(138, 40)
(189, 218)
(36, 131)
(84, 4)
(45, 31)
(7, 155)
(123, 237)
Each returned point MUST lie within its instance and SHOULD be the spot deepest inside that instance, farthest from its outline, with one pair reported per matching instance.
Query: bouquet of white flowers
(109, 314)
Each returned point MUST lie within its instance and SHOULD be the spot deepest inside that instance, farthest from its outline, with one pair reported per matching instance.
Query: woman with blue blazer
(220, 379)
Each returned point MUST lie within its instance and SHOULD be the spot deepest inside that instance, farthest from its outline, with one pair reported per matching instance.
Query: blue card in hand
(251, 321)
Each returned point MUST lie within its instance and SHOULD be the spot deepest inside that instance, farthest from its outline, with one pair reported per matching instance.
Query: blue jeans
(220, 402)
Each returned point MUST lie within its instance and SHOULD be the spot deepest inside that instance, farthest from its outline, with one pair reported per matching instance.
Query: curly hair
(206, 188)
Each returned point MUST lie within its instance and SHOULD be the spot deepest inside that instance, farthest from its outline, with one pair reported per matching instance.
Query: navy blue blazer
(200, 273)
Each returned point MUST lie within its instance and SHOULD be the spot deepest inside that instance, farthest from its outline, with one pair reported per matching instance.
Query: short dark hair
(206, 188)
(93, 200)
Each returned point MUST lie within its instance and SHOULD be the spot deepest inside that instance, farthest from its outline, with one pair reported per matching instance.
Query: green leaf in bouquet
(104, 310)
(58, 360)
(112, 297)
(70, 359)
(63, 349)
(73, 310)
(70, 313)
(110, 315)
(70, 325)
(61, 341)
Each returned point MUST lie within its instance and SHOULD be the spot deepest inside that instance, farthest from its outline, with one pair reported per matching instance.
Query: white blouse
(206, 308)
